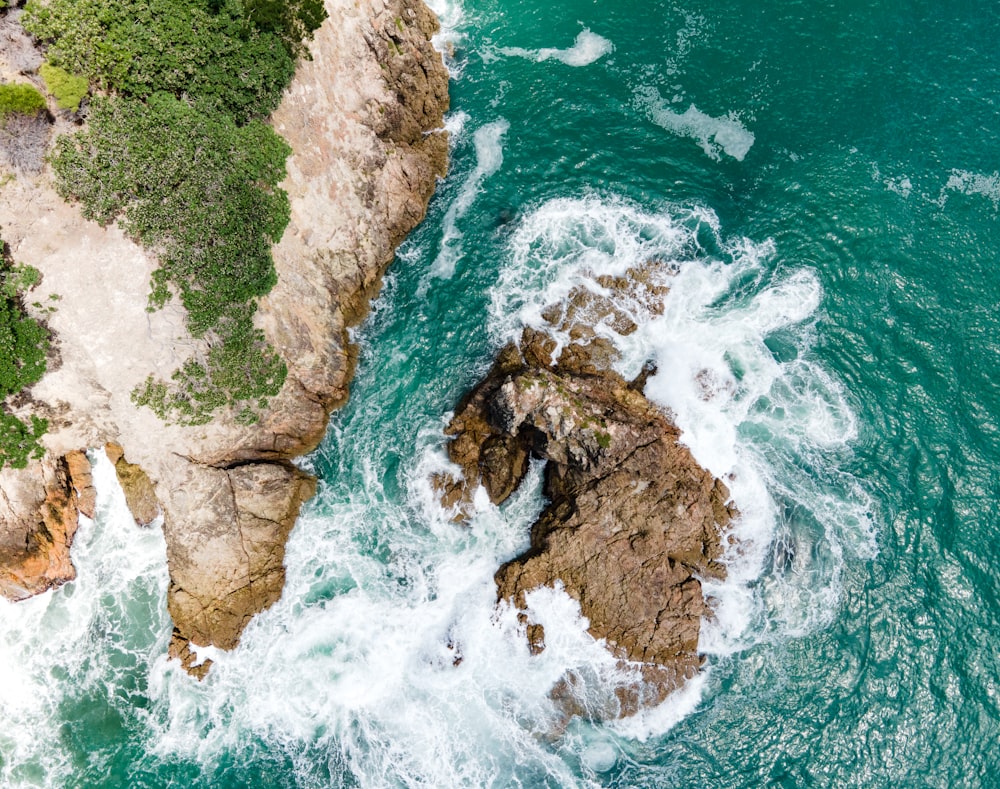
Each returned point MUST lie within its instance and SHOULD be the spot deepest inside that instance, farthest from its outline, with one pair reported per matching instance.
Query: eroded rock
(140, 493)
(633, 521)
(231, 566)
(39, 515)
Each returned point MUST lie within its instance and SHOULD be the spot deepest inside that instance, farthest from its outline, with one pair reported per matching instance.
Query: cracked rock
(633, 522)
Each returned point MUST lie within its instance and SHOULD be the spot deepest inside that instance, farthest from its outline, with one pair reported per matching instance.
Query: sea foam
(587, 48)
(715, 135)
(774, 426)
(970, 183)
(450, 36)
(488, 141)
(89, 644)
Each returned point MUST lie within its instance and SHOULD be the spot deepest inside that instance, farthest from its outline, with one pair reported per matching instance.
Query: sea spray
(772, 425)
(587, 48)
(488, 141)
(715, 135)
(86, 647)
(449, 38)
(392, 655)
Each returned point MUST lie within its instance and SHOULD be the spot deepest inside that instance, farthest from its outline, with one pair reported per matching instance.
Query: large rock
(39, 513)
(633, 522)
(244, 522)
(364, 120)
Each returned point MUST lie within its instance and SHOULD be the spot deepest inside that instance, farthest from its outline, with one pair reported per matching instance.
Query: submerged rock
(633, 521)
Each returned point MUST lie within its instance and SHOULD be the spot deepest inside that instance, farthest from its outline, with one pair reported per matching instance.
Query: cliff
(364, 120)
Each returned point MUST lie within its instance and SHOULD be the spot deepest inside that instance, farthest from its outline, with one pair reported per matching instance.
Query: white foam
(653, 721)
(902, 186)
(454, 124)
(773, 427)
(387, 654)
(587, 48)
(90, 638)
(451, 15)
(386, 657)
(408, 672)
(716, 136)
(488, 140)
(970, 183)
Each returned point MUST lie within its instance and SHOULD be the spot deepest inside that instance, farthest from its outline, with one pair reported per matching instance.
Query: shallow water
(824, 183)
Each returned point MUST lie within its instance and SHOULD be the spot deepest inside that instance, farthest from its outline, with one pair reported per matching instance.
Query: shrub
(67, 88)
(178, 154)
(293, 21)
(204, 193)
(23, 345)
(177, 46)
(240, 371)
(19, 441)
(21, 99)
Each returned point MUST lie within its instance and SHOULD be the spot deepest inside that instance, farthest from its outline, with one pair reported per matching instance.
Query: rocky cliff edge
(364, 120)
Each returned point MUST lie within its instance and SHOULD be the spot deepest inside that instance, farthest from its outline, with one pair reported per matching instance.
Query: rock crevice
(633, 522)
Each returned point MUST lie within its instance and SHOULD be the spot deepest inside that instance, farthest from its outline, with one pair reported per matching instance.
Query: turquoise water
(825, 180)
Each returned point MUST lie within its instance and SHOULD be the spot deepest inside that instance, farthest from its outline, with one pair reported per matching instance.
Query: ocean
(823, 179)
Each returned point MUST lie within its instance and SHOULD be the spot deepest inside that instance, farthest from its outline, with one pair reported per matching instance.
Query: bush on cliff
(16, 97)
(23, 345)
(293, 21)
(183, 47)
(204, 193)
(178, 153)
(67, 88)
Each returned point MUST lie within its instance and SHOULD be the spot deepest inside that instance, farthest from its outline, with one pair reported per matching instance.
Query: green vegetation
(292, 21)
(203, 192)
(179, 154)
(23, 345)
(21, 99)
(67, 88)
(236, 58)
(240, 373)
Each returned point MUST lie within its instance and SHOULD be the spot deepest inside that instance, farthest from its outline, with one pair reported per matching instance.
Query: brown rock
(39, 515)
(79, 469)
(221, 576)
(364, 118)
(180, 649)
(633, 521)
(140, 495)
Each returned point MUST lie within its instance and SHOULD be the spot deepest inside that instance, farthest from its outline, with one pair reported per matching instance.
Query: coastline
(364, 120)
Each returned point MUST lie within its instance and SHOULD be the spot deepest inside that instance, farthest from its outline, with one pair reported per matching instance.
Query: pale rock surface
(364, 120)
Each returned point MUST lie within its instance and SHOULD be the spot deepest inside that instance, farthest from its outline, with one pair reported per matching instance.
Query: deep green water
(832, 206)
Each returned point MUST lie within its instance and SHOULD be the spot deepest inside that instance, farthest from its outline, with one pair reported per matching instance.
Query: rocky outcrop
(244, 560)
(364, 120)
(35, 549)
(140, 495)
(633, 522)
